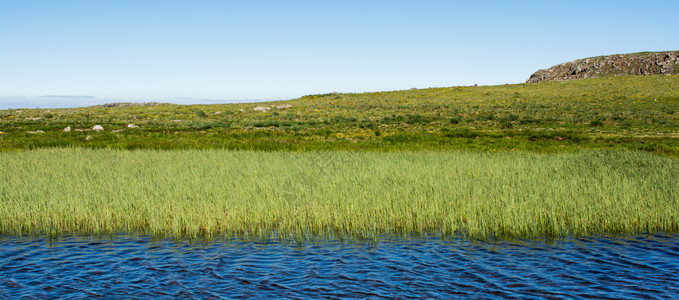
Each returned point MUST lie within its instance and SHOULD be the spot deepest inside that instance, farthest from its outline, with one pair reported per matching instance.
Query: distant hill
(642, 63)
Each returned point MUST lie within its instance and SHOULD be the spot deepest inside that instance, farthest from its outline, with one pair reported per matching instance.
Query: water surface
(138, 267)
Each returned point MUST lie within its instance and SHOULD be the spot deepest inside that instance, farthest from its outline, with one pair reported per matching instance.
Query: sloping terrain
(629, 112)
(643, 63)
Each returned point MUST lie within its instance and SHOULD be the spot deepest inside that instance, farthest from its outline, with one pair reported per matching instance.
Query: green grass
(336, 194)
(624, 112)
(526, 160)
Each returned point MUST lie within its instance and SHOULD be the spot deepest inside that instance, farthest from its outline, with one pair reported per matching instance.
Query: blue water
(138, 267)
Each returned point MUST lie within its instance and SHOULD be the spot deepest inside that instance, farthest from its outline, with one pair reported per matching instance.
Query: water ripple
(137, 267)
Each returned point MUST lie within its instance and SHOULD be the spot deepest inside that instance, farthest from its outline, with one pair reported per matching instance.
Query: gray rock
(643, 63)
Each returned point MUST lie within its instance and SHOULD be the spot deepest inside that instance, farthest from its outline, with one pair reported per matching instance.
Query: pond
(139, 267)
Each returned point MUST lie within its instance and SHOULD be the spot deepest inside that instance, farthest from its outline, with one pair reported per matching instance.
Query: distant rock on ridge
(642, 63)
(126, 104)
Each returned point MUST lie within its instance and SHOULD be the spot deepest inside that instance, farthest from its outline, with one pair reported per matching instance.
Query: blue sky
(84, 52)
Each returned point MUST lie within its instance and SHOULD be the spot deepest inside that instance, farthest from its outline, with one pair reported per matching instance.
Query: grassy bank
(339, 194)
(625, 112)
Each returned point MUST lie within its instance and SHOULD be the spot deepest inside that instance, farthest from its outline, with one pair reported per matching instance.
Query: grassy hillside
(630, 112)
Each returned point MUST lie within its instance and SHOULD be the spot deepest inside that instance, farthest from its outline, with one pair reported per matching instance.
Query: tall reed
(336, 194)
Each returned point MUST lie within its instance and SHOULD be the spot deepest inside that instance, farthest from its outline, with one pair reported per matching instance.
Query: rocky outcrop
(126, 104)
(643, 63)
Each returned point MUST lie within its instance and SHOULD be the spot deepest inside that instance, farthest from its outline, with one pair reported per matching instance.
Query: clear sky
(83, 52)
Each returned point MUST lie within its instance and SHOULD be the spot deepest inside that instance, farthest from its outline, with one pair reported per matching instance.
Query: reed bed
(209, 193)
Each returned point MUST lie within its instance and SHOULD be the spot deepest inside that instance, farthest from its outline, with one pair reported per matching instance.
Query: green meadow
(337, 194)
(553, 159)
(623, 112)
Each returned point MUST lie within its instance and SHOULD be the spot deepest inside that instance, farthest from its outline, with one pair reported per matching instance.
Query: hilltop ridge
(642, 63)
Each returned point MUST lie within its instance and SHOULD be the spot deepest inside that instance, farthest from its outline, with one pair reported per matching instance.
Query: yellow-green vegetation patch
(339, 194)
(623, 112)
